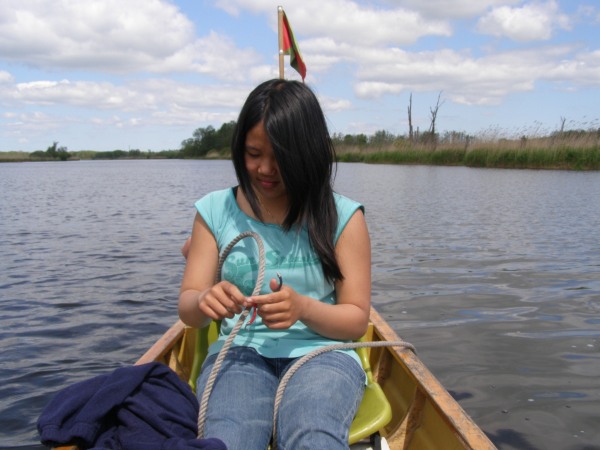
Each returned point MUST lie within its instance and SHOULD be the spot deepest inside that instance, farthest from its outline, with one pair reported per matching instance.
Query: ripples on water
(492, 274)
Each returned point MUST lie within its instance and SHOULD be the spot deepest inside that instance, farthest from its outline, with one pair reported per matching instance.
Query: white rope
(294, 368)
(342, 346)
(221, 356)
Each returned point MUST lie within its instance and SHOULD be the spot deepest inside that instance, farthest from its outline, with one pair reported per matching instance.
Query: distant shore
(525, 154)
(488, 156)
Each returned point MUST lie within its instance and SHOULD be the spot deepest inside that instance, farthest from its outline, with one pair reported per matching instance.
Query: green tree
(56, 152)
(381, 138)
(62, 153)
(51, 151)
(361, 139)
(225, 135)
(208, 138)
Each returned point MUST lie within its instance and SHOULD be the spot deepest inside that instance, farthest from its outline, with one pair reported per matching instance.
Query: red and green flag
(290, 47)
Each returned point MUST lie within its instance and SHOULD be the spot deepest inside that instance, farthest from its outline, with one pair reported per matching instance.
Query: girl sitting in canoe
(317, 286)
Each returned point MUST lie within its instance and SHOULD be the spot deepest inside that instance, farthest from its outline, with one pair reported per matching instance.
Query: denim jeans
(316, 410)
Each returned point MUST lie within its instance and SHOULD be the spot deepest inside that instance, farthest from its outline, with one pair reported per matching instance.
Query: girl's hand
(222, 300)
(280, 309)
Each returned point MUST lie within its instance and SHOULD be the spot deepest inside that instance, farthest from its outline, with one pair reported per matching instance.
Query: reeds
(14, 157)
(572, 150)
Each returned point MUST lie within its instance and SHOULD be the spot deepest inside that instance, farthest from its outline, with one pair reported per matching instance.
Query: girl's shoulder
(217, 199)
(346, 205)
(346, 208)
(218, 195)
(215, 206)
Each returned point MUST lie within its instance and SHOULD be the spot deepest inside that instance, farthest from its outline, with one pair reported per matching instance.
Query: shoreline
(559, 157)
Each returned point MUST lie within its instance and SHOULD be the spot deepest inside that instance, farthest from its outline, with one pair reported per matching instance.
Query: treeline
(562, 149)
(208, 140)
(62, 154)
(129, 154)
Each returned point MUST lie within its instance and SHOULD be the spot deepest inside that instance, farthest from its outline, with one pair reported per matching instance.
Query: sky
(144, 74)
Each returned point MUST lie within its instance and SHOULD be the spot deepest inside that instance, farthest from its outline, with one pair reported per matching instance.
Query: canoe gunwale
(428, 389)
(161, 349)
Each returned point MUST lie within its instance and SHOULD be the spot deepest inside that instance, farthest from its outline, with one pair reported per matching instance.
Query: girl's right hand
(223, 300)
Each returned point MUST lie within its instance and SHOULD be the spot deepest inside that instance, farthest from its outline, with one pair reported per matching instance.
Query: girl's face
(262, 166)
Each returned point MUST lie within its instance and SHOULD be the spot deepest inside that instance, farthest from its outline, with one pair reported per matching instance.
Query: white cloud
(34, 123)
(140, 102)
(366, 26)
(136, 96)
(113, 36)
(95, 34)
(216, 55)
(530, 22)
(451, 8)
(582, 70)
(333, 104)
(85, 94)
(477, 81)
(346, 20)
(5, 77)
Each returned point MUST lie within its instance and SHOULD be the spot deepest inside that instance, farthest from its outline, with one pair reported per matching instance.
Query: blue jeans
(316, 411)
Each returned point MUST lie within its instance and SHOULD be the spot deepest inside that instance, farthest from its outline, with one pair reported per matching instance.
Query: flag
(290, 47)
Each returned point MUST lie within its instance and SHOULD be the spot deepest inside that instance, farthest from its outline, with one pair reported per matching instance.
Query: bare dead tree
(434, 113)
(410, 125)
(431, 136)
(560, 134)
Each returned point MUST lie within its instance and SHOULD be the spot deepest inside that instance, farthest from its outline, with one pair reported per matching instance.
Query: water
(494, 275)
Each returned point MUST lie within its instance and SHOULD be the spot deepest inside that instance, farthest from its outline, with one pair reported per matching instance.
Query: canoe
(424, 415)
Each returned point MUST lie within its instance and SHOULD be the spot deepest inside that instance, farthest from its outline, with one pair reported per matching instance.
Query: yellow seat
(204, 337)
(375, 410)
(373, 413)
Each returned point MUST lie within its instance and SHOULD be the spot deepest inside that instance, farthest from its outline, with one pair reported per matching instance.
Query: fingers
(276, 285)
(279, 294)
(222, 300)
(276, 309)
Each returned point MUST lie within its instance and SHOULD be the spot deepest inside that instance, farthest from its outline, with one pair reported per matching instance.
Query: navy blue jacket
(145, 407)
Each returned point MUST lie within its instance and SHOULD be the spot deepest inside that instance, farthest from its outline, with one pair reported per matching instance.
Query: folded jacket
(145, 407)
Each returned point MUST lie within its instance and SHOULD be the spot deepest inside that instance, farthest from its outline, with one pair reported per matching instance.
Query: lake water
(494, 275)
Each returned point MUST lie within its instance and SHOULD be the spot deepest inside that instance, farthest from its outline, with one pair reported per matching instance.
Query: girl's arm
(349, 317)
(200, 300)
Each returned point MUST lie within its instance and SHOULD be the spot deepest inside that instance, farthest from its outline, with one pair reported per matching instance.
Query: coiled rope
(294, 368)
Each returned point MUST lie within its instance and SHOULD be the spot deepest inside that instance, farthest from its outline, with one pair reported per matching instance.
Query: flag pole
(280, 38)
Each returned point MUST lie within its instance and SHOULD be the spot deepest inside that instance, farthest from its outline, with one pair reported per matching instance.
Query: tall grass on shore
(14, 157)
(566, 150)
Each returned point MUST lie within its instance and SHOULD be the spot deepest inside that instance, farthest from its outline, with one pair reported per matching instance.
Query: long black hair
(297, 130)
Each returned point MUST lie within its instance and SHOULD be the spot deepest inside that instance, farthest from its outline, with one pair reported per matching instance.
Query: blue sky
(144, 74)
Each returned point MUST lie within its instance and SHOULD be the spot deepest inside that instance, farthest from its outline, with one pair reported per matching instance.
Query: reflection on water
(494, 275)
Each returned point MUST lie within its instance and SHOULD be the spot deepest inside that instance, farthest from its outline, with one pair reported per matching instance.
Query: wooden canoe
(424, 414)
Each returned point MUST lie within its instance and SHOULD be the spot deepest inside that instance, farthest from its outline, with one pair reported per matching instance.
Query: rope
(343, 346)
(294, 368)
(221, 356)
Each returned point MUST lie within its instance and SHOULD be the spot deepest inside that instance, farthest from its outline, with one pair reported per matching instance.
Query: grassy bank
(14, 157)
(543, 153)
(565, 150)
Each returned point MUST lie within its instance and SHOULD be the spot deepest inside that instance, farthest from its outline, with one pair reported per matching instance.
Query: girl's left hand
(279, 309)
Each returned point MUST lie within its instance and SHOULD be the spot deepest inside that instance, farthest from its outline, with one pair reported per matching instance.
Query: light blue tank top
(288, 253)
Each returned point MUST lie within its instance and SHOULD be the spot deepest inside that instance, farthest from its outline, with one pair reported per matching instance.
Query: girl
(317, 240)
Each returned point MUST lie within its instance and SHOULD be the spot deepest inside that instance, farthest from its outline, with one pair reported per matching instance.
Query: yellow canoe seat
(373, 413)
